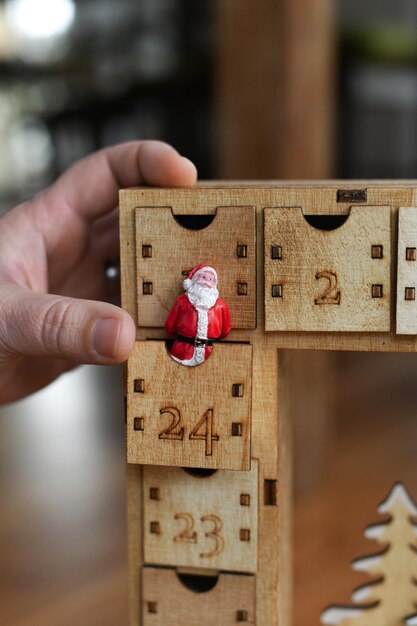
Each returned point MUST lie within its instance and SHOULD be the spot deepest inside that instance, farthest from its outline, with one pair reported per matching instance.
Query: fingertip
(160, 164)
(112, 338)
(190, 173)
(127, 337)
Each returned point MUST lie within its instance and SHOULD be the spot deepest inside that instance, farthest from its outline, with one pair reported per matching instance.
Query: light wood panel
(192, 520)
(167, 602)
(189, 416)
(270, 414)
(134, 539)
(314, 199)
(166, 252)
(407, 272)
(268, 431)
(328, 280)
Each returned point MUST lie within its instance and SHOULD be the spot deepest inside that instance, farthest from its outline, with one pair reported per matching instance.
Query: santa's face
(206, 278)
(203, 291)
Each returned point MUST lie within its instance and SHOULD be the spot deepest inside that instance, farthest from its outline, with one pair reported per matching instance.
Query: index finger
(90, 187)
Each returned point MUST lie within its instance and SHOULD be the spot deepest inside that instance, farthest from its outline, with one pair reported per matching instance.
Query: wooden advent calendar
(301, 265)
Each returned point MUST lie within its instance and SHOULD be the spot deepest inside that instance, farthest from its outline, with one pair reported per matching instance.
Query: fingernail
(106, 337)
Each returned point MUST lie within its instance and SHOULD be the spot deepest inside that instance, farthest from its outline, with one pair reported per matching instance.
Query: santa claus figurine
(198, 318)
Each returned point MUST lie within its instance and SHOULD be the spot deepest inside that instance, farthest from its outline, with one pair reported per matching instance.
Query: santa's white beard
(202, 297)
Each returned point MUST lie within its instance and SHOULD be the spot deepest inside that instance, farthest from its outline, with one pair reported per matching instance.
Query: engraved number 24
(202, 431)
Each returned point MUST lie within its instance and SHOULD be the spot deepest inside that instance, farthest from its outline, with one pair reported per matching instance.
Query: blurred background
(277, 89)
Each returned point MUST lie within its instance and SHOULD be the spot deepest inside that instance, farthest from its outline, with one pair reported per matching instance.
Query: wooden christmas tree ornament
(319, 266)
(391, 594)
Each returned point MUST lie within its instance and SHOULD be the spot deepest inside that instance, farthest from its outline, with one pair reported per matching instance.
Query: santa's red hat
(196, 270)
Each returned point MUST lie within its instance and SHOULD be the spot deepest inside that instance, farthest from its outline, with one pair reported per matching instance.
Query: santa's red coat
(183, 318)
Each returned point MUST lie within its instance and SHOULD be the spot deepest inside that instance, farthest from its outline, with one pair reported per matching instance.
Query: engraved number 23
(188, 535)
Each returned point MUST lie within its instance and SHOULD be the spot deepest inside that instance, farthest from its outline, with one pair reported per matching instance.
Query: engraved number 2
(331, 295)
(188, 534)
(174, 430)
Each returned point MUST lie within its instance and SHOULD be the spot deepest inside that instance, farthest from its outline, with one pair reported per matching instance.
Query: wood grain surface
(271, 412)
(202, 521)
(274, 555)
(314, 199)
(167, 601)
(324, 279)
(407, 272)
(227, 244)
(191, 417)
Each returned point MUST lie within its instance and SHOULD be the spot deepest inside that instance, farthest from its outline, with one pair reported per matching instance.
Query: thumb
(84, 331)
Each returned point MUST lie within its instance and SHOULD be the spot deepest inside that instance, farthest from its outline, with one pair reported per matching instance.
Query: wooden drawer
(191, 520)
(406, 322)
(166, 252)
(190, 416)
(328, 280)
(168, 602)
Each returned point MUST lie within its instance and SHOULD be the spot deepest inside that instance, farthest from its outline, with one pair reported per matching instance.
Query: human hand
(57, 243)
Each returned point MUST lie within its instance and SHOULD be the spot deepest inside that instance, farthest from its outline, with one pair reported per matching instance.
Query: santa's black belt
(196, 341)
